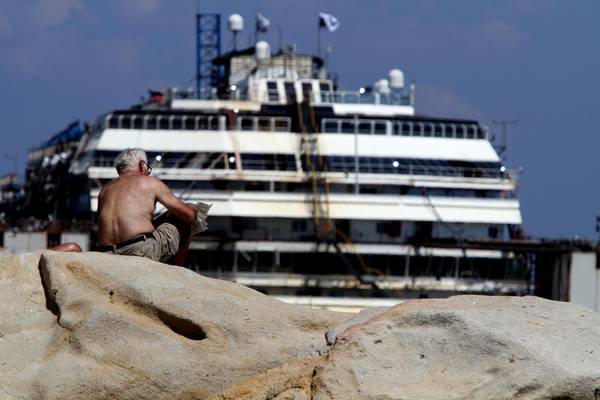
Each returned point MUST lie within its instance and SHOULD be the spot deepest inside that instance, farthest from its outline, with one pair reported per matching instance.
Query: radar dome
(396, 79)
(382, 86)
(236, 22)
(263, 50)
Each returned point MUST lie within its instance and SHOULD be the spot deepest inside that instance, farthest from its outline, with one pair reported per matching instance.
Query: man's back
(125, 208)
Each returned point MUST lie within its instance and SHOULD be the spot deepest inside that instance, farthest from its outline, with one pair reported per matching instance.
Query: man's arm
(167, 198)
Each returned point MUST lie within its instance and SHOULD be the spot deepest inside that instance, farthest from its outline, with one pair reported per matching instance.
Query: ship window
(417, 129)
(471, 132)
(439, 130)
(299, 225)
(480, 133)
(214, 161)
(427, 130)
(365, 127)
(460, 131)
(449, 131)
(286, 162)
(326, 95)
(213, 123)
(163, 123)
(306, 91)
(348, 127)
(246, 124)
(372, 164)
(202, 123)
(189, 123)
(281, 125)
(363, 164)
(330, 126)
(113, 122)
(264, 124)
(272, 91)
(393, 228)
(380, 165)
(406, 128)
(380, 128)
(177, 123)
(256, 187)
(138, 122)
(335, 163)
(125, 122)
(290, 92)
(343, 163)
(150, 122)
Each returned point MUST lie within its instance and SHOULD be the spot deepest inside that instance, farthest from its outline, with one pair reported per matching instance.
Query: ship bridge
(253, 78)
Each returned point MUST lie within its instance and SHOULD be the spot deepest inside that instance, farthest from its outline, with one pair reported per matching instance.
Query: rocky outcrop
(467, 347)
(97, 326)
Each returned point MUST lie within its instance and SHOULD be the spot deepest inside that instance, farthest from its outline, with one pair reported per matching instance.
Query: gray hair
(129, 158)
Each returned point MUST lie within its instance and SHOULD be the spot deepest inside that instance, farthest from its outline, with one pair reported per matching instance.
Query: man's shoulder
(152, 180)
(145, 183)
(152, 183)
(108, 185)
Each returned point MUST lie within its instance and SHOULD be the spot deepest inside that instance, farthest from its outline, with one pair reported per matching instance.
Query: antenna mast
(504, 123)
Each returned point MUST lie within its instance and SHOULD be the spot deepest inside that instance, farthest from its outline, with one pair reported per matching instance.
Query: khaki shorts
(161, 247)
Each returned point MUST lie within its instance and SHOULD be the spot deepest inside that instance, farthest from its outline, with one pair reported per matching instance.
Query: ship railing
(404, 128)
(228, 161)
(163, 122)
(269, 124)
(195, 122)
(412, 169)
(192, 93)
(218, 161)
(344, 97)
(359, 97)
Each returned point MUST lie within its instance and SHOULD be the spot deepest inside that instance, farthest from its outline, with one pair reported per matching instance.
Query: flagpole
(319, 39)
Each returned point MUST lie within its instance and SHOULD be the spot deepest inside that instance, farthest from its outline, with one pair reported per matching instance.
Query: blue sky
(536, 60)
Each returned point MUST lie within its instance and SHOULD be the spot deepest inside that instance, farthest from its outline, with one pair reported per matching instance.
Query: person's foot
(68, 248)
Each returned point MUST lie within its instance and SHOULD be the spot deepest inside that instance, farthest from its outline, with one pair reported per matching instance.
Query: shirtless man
(125, 211)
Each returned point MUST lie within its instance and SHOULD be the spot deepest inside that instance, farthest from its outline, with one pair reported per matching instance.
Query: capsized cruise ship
(351, 196)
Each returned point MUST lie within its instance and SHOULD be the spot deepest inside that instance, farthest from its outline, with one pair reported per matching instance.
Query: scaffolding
(208, 48)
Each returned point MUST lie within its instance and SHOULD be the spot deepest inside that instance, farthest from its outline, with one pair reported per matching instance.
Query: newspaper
(197, 226)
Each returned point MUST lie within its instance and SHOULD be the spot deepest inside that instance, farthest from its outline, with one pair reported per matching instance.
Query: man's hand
(199, 223)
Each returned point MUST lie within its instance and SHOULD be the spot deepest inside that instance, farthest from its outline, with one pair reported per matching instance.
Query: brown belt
(114, 247)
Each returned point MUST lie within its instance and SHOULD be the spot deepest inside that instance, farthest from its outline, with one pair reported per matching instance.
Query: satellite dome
(396, 79)
(236, 22)
(263, 50)
(382, 86)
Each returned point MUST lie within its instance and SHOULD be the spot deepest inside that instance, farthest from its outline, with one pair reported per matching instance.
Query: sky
(537, 61)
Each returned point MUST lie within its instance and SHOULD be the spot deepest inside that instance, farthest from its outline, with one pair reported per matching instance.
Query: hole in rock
(181, 326)
(50, 304)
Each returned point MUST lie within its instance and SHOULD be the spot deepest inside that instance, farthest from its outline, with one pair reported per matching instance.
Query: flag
(329, 21)
(262, 23)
